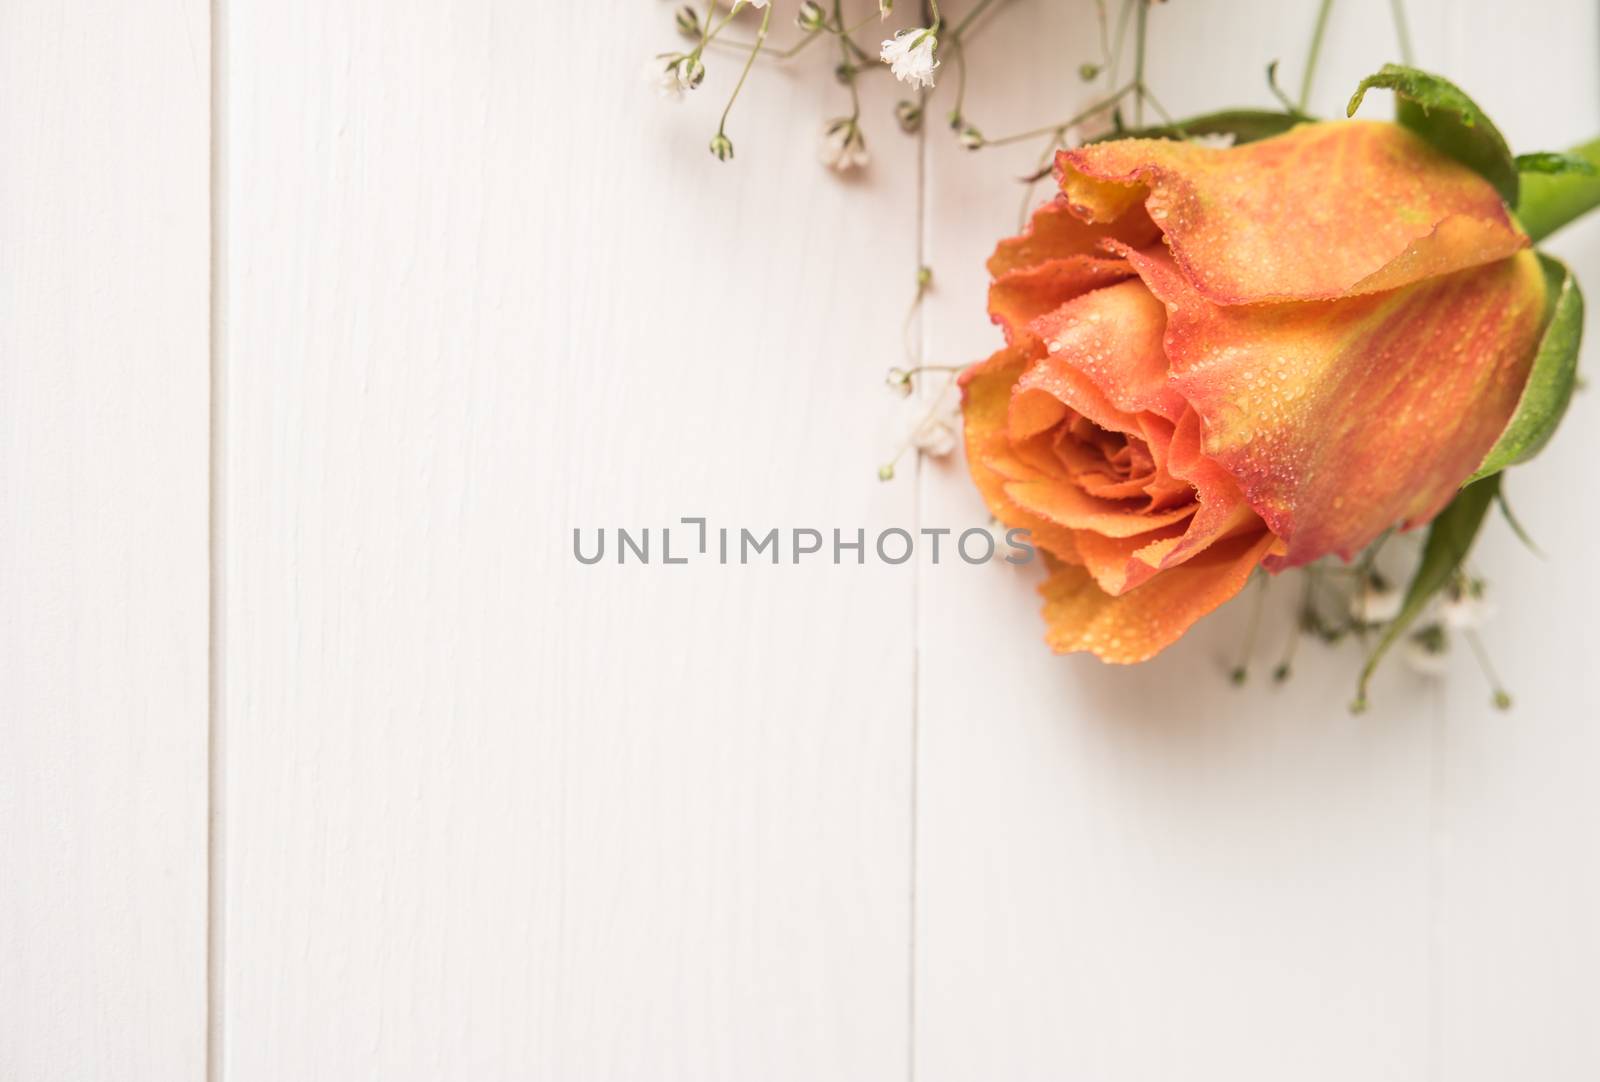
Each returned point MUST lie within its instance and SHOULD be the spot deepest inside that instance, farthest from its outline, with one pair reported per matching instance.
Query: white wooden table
(322, 324)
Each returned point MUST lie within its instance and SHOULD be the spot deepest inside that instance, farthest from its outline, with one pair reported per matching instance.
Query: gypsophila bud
(667, 74)
(693, 72)
(899, 381)
(845, 73)
(688, 22)
(971, 137)
(811, 17)
(1088, 72)
(722, 147)
(843, 147)
(908, 114)
(886, 472)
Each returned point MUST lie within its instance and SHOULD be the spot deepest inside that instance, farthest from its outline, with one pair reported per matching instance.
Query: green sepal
(1450, 538)
(1553, 163)
(1550, 382)
(1441, 113)
(1245, 125)
(1550, 200)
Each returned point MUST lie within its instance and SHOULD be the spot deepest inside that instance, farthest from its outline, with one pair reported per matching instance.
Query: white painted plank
(1518, 849)
(104, 258)
(493, 814)
(1149, 874)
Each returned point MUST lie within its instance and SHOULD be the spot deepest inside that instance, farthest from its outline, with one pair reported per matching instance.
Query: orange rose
(1222, 358)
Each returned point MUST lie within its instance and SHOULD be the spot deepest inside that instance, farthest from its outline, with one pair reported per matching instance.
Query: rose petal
(1019, 297)
(1136, 625)
(1070, 506)
(1055, 232)
(1114, 337)
(985, 406)
(1325, 210)
(1339, 419)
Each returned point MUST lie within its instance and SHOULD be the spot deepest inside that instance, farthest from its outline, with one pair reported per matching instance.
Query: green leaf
(1515, 523)
(1245, 125)
(1437, 110)
(1555, 371)
(1554, 163)
(1449, 540)
(1550, 200)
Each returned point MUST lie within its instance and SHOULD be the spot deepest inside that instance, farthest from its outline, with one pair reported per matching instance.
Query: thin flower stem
(1138, 59)
(761, 38)
(1122, 36)
(709, 35)
(1098, 107)
(810, 36)
(1286, 663)
(844, 57)
(966, 21)
(1501, 698)
(1277, 91)
(1033, 181)
(1166, 117)
(1401, 30)
(705, 29)
(784, 54)
(1315, 51)
(1105, 35)
(961, 79)
(1241, 671)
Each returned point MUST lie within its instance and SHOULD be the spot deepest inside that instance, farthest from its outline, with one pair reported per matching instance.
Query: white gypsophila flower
(1427, 652)
(936, 437)
(910, 55)
(1466, 609)
(1376, 603)
(843, 147)
(667, 76)
(940, 428)
(1220, 140)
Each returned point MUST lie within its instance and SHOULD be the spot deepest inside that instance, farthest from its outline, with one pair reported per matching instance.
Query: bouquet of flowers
(1249, 341)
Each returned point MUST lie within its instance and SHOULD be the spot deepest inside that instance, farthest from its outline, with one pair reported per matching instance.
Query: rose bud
(1218, 359)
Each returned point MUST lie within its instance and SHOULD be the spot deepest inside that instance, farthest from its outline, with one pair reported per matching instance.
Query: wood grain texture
(1149, 874)
(1517, 854)
(493, 814)
(104, 257)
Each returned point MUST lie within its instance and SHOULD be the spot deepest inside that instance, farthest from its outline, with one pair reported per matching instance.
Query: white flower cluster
(910, 55)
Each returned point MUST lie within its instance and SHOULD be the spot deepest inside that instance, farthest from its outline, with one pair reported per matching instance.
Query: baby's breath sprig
(721, 145)
(937, 431)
